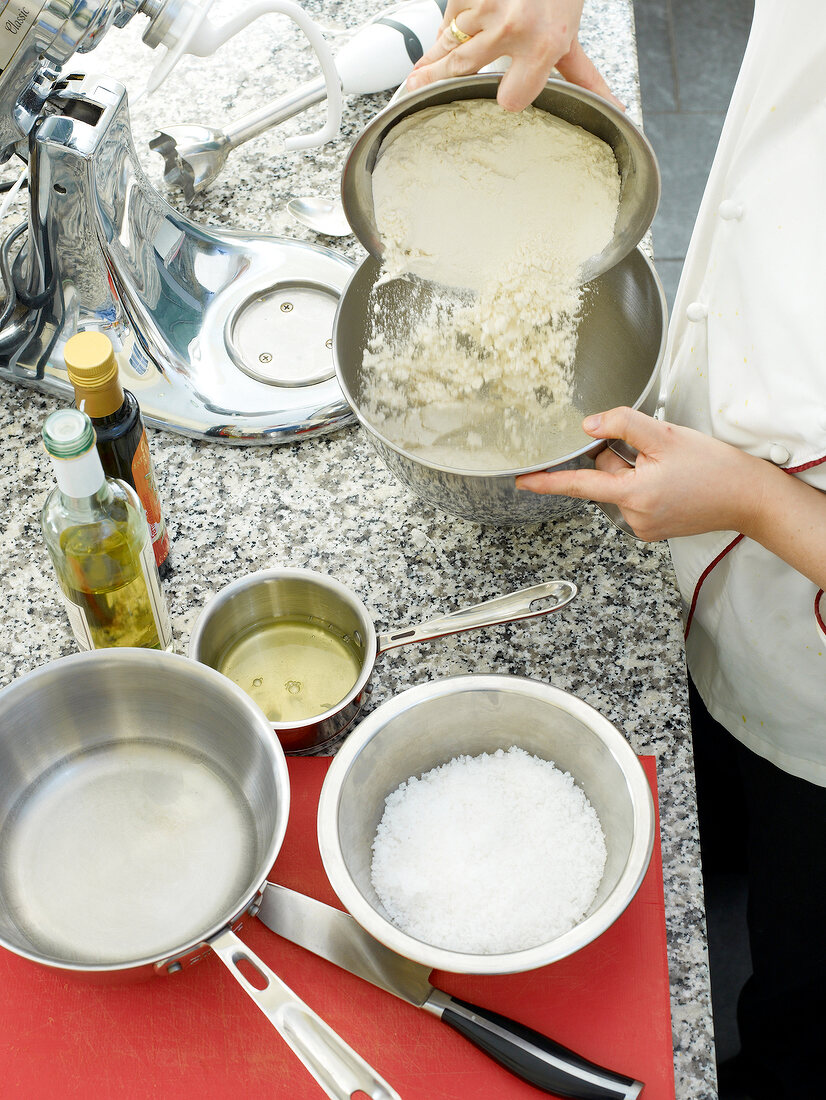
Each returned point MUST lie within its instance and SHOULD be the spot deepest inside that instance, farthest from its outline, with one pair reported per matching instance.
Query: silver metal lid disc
(283, 336)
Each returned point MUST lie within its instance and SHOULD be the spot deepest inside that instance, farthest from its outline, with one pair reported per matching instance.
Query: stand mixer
(377, 57)
(220, 334)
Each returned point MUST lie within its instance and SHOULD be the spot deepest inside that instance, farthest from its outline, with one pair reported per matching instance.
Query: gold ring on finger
(457, 35)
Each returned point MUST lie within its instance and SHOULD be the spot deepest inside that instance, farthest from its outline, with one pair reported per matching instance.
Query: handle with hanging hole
(336, 1067)
(527, 603)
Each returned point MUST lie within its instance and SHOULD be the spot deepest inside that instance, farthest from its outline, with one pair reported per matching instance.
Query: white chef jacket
(746, 363)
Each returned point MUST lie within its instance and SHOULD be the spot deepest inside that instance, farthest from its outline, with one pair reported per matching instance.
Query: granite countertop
(329, 504)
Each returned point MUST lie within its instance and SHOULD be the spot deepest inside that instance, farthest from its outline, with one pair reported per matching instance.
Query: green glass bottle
(98, 539)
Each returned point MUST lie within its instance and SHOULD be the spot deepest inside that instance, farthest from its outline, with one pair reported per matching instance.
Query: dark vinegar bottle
(121, 436)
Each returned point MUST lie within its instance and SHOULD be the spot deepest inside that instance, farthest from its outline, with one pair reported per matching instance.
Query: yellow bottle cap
(93, 371)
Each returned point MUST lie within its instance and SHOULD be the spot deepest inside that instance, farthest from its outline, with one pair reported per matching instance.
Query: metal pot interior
(621, 340)
(276, 594)
(271, 595)
(143, 800)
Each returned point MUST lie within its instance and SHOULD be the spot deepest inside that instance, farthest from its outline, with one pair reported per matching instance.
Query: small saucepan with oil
(303, 646)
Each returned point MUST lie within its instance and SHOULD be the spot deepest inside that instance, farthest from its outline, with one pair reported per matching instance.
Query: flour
(465, 190)
(494, 213)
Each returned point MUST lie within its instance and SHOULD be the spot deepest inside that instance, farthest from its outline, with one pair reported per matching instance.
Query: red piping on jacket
(805, 466)
(703, 576)
(733, 543)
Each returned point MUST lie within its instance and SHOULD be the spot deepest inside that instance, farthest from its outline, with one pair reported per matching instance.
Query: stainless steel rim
(589, 448)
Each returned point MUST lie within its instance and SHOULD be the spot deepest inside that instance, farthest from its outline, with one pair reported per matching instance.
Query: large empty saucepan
(246, 614)
(143, 799)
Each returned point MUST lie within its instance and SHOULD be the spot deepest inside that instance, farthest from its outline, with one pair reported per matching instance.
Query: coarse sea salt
(488, 854)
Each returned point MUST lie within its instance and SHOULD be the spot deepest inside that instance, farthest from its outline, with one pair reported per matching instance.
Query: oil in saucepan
(294, 669)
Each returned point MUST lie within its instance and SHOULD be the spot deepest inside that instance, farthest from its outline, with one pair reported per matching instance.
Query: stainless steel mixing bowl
(429, 725)
(621, 342)
(639, 172)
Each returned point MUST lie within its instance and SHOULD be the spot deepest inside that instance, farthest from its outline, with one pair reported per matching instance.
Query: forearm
(687, 483)
(790, 521)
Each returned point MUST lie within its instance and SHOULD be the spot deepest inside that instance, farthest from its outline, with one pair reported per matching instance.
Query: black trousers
(755, 816)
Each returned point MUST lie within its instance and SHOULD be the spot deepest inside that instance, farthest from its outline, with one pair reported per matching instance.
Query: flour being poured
(470, 363)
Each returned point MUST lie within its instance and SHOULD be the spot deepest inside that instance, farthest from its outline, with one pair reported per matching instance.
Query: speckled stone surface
(329, 504)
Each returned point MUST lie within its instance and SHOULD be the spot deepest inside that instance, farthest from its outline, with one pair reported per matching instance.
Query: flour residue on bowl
(490, 217)
(488, 854)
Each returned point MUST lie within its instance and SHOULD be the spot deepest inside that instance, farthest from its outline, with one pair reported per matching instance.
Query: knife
(339, 938)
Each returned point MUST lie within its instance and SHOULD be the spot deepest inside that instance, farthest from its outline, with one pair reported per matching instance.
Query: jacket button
(730, 210)
(779, 454)
(696, 311)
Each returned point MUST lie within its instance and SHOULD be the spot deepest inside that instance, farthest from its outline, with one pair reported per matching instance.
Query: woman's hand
(537, 35)
(687, 483)
(684, 482)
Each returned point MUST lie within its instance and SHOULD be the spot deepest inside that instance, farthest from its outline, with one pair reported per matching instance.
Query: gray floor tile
(685, 145)
(729, 955)
(656, 57)
(669, 272)
(709, 38)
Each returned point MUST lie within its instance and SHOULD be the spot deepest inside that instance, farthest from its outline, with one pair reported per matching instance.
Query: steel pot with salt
(427, 726)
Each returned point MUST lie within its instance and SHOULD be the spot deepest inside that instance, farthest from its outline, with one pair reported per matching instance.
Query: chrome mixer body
(220, 334)
(37, 38)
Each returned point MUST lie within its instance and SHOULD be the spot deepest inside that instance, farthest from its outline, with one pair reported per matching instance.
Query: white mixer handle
(381, 54)
(192, 33)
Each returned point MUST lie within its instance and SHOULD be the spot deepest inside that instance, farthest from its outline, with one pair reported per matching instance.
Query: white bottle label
(77, 621)
(153, 587)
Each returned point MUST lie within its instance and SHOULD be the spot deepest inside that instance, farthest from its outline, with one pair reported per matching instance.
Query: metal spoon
(323, 215)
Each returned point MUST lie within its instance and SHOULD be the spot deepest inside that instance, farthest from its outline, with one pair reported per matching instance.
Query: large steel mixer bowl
(431, 724)
(639, 172)
(620, 346)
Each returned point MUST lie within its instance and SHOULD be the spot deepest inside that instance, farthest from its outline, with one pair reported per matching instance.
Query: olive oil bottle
(98, 539)
(119, 431)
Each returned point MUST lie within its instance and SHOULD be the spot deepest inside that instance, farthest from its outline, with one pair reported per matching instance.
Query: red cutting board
(196, 1035)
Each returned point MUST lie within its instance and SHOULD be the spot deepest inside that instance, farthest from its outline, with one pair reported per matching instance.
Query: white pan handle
(336, 1067)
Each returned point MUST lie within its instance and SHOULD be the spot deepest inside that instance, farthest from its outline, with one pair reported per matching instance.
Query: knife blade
(336, 936)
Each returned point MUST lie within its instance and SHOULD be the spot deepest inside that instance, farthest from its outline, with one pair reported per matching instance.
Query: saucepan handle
(527, 603)
(336, 1067)
(531, 1055)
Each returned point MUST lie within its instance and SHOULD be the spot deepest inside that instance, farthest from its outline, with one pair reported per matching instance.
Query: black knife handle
(534, 1057)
